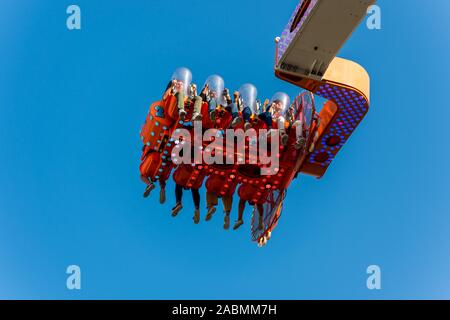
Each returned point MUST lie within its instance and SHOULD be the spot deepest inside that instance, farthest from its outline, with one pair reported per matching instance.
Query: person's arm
(193, 91)
(169, 89)
(226, 94)
(237, 101)
(290, 116)
(266, 103)
(204, 93)
(258, 106)
(269, 108)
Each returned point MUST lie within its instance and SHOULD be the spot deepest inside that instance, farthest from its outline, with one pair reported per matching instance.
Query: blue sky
(71, 107)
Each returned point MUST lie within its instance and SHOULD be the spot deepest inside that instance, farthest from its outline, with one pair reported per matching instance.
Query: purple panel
(287, 36)
(352, 109)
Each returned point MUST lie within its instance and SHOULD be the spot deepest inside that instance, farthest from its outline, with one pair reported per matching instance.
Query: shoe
(210, 213)
(176, 209)
(238, 224)
(300, 143)
(247, 126)
(162, 195)
(197, 216)
(212, 115)
(197, 117)
(261, 223)
(149, 189)
(236, 121)
(182, 114)
(226, 222)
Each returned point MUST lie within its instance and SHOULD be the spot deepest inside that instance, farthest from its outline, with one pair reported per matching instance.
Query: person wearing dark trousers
(179, 204)
(265, 115)
(234, 108)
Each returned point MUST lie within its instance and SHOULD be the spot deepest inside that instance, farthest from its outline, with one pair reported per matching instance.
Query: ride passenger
(246, 103)
(241, 209)
(179, 194)
(151, 185)
(299, 127)
(234, 107)
(186, 93)
(226, 103)
(212, 200)
(170, 89)
(277, 108)
(179, 204)
(213, 94)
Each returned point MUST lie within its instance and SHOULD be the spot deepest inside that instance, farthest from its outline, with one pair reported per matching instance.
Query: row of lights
(352, 108)
(230, 179)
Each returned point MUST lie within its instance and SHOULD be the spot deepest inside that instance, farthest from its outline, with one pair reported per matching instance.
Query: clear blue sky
(71, 107)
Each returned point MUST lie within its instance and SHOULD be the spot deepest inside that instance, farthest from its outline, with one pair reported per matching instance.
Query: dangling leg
(162, 192)
(196, 198)
(227, 202)
(240, 220)
(180, 103)
(211, 203)
(197, 115)
(150, 186)
(178, 197)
